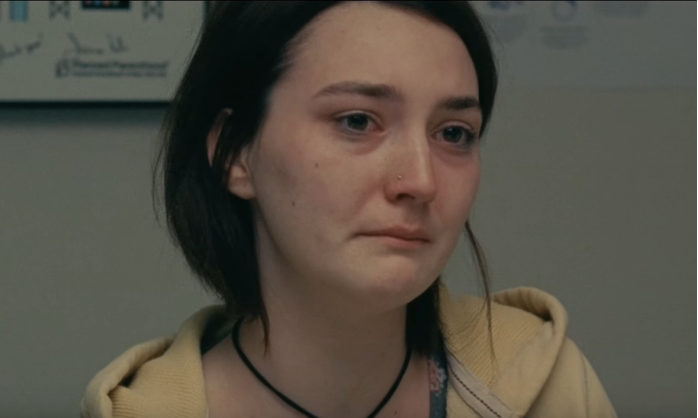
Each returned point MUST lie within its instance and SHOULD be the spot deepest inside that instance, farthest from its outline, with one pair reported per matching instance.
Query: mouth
(407, 233)
(399, 242)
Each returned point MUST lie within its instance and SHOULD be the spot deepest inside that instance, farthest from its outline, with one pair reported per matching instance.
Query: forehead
(376, 43)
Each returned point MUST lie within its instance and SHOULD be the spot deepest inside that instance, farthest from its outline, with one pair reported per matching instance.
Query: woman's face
(373, 93)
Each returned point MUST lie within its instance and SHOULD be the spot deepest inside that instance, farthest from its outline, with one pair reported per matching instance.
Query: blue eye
(354, 122)
(360, 123)
(459, 136)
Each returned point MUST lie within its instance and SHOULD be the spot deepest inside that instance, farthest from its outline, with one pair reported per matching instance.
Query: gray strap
(473, 392)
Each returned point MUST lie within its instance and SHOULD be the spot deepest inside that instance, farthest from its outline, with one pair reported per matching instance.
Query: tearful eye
(459, 136)
(454, 134)
(356, 121)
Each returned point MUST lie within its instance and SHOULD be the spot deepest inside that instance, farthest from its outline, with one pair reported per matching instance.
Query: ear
(215, 133)
(240, 179)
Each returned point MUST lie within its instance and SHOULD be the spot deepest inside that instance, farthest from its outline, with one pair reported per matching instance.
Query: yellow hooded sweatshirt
(538, 373)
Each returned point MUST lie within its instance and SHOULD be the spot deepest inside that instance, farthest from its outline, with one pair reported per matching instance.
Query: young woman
(320, 161)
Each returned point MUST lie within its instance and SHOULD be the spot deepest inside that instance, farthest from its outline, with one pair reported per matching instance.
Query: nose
(412, 161)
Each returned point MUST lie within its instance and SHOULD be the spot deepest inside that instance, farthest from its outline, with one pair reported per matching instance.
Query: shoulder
(163, 371)
(519, 304)
(531, 367)
(572, 388)
(519, 316)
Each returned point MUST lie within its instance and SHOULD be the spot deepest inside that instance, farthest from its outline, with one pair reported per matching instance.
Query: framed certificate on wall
(95, 51)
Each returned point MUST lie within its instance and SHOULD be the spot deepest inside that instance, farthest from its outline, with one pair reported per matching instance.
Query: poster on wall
(583, 44)
(95, 51)
(137, 51)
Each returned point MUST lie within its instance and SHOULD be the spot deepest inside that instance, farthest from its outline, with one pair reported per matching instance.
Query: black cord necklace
(236, 343)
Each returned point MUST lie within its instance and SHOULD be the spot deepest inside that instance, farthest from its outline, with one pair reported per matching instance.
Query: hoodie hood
(164, 377)
(507, 376)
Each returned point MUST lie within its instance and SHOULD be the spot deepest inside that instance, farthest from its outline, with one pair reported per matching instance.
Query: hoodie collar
(164, 377)
(528, 330)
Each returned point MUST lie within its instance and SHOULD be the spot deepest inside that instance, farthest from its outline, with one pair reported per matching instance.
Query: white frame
(66, 52)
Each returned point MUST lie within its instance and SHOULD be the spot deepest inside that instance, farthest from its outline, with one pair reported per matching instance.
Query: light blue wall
(587, 194)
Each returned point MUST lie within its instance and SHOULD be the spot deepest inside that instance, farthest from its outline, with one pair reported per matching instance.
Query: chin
(391, 291)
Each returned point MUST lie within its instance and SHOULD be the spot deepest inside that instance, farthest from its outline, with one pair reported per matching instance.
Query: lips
(402, 232)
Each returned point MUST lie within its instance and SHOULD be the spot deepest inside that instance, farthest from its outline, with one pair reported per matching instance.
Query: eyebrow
(391, 93)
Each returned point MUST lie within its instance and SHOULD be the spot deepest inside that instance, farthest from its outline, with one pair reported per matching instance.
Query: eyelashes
(357, 123)
(467, 138)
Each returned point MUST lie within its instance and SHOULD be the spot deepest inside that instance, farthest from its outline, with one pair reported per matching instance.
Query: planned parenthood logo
(80, 67)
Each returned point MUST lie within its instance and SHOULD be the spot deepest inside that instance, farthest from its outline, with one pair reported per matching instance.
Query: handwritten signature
(115, 44)
(18, 50)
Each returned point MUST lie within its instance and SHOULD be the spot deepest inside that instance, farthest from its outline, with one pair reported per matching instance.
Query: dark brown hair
(244, 48)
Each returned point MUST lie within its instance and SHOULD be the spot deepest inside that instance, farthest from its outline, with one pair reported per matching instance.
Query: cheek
(277, 184)
(472, 186)
(455, 211)
(297, 183)
(333, 189)
(455, 206)
(460, 192)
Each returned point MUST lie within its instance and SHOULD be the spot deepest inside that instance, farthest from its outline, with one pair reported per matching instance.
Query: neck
(328, 361)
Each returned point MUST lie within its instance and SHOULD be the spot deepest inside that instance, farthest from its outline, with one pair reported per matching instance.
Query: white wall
(587, 194)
